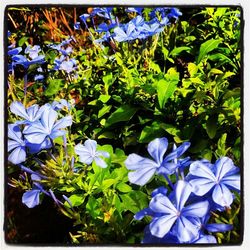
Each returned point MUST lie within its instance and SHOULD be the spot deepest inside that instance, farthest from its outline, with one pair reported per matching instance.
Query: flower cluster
(39, 127)
(182, 214)
(63, 62)
(137, 28)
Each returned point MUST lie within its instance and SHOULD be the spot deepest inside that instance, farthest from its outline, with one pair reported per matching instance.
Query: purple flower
(174, 216)
(174, 13)
(88, 153)
(62, 104)
(126, 32)
(31, 198)
(30, 114)
(145, 168)
(46, 127)
(219, 179)
(136, 10)
(16, 145)
(32, 51)
(68, 66)
(22, 60)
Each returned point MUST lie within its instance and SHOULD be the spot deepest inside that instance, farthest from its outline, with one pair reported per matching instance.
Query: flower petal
(100, 162)
(142, 175)
(182, 192)
(215, 228)
(32, 111)
(18, 155)
(56, 133)
(223, 166)
(199, 209)
(161, 204)
(157, 149)
(160, 226)
(35, 133)
(233, 181)
(31, 198)
(63, 123)
(15, 133)
(103, 153)
(48, 118)
(186, 231)
(199, 169)
(18, 109)
(134, 162)
(206, 239)
(222, 195)
(91, 146)
(87, 159)
(178, 152)
(12, 144)
(201, 186)
(79, 149)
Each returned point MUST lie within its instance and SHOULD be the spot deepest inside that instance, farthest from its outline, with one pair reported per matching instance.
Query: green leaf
(122, 114)
(211, 126)
(151, 132)
(108, 183)
(55, 85)
(123, 187)
(118, 58)
(104, 110)
(134, 201)
(104, 98)
(76, 199)
(92, 207)
(171, 129)
(166, 86)
(222, 150)
(192, 69)
(207, 47)
(176, 51)
(22, 41)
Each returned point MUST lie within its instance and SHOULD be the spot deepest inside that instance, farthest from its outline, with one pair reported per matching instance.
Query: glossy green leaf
(207, 47)
(176, 51)
(123, 187)
(104, 110)
(167, 86)
(76, 199)
(122, 114)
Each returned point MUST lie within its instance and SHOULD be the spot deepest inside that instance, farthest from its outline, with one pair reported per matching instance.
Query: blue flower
(31, 198)
(203, 225)
(126, 32)
(68, 66)
(88, 153)
(31, 114)
(102, 12)
(22, 60)
(16, 144)
(218, 179)
(15, 51)
(62, 104)
(174, 13)
(32, 51)
(145, 168)
(174, 216)
(136, 10)
(46, 127)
